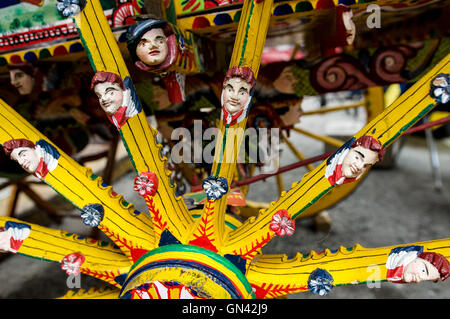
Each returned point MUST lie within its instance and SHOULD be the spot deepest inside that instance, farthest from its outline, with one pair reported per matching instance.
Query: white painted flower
(146, 184)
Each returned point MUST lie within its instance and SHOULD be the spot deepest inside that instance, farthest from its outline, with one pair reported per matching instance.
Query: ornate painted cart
(177, 252)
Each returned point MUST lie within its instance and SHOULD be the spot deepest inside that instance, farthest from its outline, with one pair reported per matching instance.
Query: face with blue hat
(147, 42)
(152, 48)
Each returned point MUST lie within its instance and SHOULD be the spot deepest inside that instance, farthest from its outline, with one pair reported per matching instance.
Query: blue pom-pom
(215, 187)
(320, 282)
(92, 214)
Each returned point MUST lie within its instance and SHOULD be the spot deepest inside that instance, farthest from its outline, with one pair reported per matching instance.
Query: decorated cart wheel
(175, 251)
(199, 273)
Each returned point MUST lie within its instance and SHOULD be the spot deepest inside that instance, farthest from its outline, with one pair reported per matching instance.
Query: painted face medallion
(27, 157)
(236, 93)
(110, 96)
(152, 48)
(349, 26)
(24, 83)
(357, 161)
(420, 270)
(286, 82)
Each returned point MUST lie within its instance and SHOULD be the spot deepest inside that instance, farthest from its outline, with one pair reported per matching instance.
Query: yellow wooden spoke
(102, 260)
(138, 137)
(276, 275)
(81, 187)
(247, 51)
(98, 40)
(251, 35)
(335, 195)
